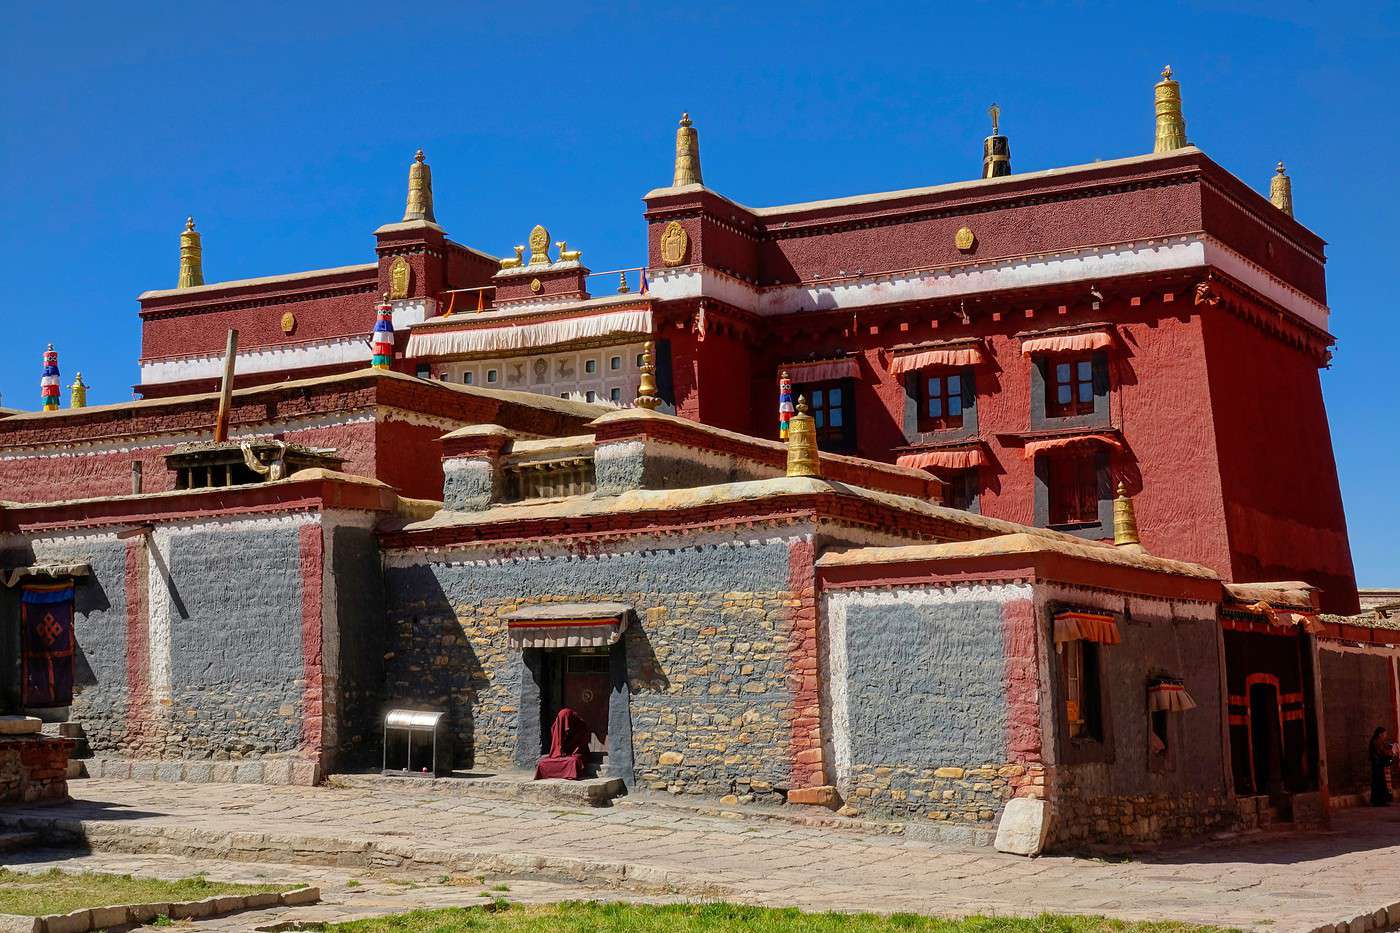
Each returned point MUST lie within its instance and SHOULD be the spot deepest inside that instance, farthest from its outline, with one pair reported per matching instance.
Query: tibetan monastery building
(1031, 562)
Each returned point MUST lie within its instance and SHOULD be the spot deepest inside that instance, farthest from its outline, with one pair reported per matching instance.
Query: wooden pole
(226, 390)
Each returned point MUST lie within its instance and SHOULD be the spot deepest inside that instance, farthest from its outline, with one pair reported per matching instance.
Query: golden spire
(1171, 125)
(996, 148)
(1281, 190)
(802, 456)
(687, 154)
(622, 287)
(1125, 531)
(77, 393)
(646, 386)
(420, 191)
(191, 257)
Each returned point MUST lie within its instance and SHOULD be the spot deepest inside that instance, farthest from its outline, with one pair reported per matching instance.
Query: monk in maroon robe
(568, 748)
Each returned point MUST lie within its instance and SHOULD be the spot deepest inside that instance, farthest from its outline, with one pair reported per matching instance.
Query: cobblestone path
(1280, 882)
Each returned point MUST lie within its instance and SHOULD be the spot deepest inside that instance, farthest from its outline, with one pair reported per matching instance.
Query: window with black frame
(832, 406)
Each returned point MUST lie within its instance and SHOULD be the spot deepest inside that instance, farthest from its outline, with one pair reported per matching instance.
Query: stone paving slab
(1278, 882)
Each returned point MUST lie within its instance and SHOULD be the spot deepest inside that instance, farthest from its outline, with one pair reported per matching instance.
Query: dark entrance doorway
(579, 679)
(1266, 741)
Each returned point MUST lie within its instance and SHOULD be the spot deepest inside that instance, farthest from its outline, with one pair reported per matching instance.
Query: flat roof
(260, 280)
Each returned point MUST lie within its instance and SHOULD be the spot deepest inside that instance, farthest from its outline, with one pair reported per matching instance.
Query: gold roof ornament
(517, 261)
(687, 154)
(1171, 125)
(1125, 530)
(803, 459)
(539, 246)
(1281, 190)
(646, 386)
(191, 257)
(996, 148)
(622, 286)
(420, 191)
(77, 393)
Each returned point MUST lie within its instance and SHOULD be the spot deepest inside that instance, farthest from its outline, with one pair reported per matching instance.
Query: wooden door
(586, 687)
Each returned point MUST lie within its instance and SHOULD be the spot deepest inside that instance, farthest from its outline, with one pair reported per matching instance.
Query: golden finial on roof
(539, 246)
(191, 257)
(996, 148)
(803, 458)
(77, 393)
(1171, 125)
(622, 287)
(1125, 530)
(420, 191)
(646, 386)
(687, 154)
(1281, 190)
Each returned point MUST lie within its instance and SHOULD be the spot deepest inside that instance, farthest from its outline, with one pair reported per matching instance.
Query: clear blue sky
(287, 131)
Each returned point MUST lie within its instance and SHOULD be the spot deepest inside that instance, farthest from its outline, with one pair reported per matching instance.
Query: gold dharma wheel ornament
(289, 323)
(674, 244)
(536, 285)
(539, 246)
(964, 239)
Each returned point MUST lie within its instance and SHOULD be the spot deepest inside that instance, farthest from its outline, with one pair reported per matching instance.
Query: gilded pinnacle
(1281, 190)
(687, 154)
(420, 191)
(803, 458)
(1171, 124)
(646, 386)
(1125, 530)
(191, 257)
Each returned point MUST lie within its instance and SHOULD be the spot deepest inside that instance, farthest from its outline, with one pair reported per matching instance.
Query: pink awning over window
(822, 370)
(1067, 343)
(1086, 626)
(1074, 440)
(944, 459)
(966, 355)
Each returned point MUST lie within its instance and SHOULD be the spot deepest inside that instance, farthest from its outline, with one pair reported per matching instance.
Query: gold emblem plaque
(536, 285)
(289, 322)
(399, 275)
(674, 244)
(964, 239)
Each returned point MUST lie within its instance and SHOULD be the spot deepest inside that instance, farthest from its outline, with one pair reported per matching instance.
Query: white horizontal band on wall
(303, 356)
(528, 336)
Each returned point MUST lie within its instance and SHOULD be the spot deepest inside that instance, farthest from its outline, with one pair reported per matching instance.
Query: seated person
(568, 748)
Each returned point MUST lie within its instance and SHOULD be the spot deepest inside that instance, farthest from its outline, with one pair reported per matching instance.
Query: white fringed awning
(1166, 696)
(568, 625)
(916, 358)
(1068, 343)
(822, 370)
(508, 338)
(958, 459)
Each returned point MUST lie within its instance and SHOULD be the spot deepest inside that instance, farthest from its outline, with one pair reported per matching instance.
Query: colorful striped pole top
(785, 407)
(48, 385)
(382, 340)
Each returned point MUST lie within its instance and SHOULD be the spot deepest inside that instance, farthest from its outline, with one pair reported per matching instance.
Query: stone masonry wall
(1358, 694)
(708, 657)
(921, 704)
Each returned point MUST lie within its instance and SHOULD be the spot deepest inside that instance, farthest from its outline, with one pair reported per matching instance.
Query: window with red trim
(1073, 485)
(941, 400)
(1069, 385)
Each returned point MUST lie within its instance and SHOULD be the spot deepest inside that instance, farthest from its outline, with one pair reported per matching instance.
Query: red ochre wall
(1283, 501)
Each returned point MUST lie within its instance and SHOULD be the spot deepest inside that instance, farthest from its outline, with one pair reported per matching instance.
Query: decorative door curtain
(48, 644)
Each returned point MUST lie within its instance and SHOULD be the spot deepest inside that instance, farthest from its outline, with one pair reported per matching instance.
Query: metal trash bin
(413, 735)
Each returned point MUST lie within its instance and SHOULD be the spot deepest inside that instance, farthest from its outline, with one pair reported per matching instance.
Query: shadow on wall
(89, 597)
(644, 671)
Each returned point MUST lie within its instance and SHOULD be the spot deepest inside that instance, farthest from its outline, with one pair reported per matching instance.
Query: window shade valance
(1086, 626)
(822, 370)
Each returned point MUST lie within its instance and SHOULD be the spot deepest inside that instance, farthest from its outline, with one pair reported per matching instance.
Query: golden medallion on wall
(399, 275)
(964, 239)
(289, 323)
(674, 244)
(536, 285)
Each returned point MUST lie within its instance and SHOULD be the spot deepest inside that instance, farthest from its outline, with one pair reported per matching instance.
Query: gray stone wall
(707, 657)
(359, 605)
(236, 666)
(1357, 695)
(1117, 793)
(927, 710)
(654, 464)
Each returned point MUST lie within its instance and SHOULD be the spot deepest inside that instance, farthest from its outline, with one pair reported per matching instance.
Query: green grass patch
(592, 916)
(57, 892)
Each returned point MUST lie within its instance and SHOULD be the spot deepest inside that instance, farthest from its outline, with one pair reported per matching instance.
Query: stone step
(13, 842)
(589, 792)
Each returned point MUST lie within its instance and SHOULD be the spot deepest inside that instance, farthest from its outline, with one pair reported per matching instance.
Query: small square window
(615, 363)
(828, 403)
(467, 378)
(942, 407)
(563, 395)
(590, 366)
(492, 375)
(641, 360)
(423, 371)
(615, 395)
(1070, 388)
(442, 377)
(590, 396)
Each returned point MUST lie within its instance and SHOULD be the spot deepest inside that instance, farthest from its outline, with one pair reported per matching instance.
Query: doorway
(579, 679)
(1266, 741)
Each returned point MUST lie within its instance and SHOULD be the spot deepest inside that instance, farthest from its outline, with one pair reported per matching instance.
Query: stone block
(193, 910)
(1309, 810)
(670, 758)
(20, 725)
(1025, 825)
(955, 773)
(277, 771)
(79, 921)
(823, 796)
(304, 773)
(144, 770)
(14, 923)
(263, 900)
(199, 772)
(248, 772)
(145, 913)
(223, 772)
(228, 903)
(301, 897)
(172, 771)
(114, 916)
